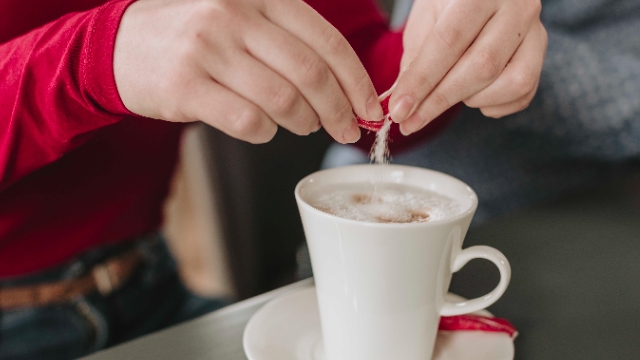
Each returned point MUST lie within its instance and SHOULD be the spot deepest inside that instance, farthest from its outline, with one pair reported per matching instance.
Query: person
(93, 99)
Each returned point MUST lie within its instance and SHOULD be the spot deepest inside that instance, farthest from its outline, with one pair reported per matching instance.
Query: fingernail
(352, 134)
(374, 109)
(411, 125)
(402, 109)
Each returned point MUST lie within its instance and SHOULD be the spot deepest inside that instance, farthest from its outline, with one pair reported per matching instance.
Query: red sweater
(77, 169)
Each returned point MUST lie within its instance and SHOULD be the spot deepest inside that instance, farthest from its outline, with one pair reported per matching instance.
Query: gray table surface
(216, 336)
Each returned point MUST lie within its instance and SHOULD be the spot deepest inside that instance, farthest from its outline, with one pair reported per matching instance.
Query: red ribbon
(375, 126)
(477, 323)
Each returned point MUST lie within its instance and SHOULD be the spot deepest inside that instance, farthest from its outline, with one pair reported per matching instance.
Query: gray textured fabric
(582, 128)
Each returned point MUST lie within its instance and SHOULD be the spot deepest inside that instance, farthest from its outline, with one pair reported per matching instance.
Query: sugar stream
(380, 151)
(380, 155)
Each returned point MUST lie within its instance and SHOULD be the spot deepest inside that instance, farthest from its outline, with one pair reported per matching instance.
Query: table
(216, 336)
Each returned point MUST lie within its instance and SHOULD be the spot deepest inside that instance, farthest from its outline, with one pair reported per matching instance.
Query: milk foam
(390, 203)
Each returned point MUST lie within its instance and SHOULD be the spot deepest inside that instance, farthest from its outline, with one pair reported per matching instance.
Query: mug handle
(479, 252)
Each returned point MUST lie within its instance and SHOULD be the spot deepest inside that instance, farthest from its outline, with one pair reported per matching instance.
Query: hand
(242, 66)
(486, 53)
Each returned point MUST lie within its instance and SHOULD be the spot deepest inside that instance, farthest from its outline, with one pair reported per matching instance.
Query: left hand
(486, 53)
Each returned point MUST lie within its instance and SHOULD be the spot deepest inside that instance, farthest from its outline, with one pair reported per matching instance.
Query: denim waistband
(151, 246)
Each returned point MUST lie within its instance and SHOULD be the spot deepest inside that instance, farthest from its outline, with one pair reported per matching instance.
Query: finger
(221, 108)
(306, 24)
(512, 107)
(308, 72)
(519, 77)
(422, 19)
(457, 27)
(480, 65)
(260, 85)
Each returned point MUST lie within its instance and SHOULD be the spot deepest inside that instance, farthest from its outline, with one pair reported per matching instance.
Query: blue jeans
(152, 298)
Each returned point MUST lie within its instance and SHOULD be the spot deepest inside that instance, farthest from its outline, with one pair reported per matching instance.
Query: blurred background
(231, 218)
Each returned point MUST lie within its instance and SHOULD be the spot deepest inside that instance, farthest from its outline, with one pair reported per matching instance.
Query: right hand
(242, 66)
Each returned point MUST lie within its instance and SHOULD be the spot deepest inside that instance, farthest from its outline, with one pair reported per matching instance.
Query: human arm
(56, 88)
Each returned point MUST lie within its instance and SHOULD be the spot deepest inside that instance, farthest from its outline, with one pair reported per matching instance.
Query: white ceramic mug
(381, 286)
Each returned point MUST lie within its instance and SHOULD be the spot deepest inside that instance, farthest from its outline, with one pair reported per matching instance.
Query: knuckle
(218, 15)
(424, 81)
(264, 136)
(247, 124)
(456, 87)
(363, 81)
(307, 124)
(206, 11)
(305, 128)
(544, 35)
(440, 100)
(342, 113)
(345, 111)
(189, 51)
(420, 77)
(191, 42)
(205, 17)
(284, 99)
(492, 113)
(314, 71)
(524, 82)
(449, 36)
(487, 65)
(334, 41)
(472, 102)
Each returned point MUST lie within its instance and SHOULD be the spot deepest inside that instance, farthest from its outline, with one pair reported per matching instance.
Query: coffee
(383, 203)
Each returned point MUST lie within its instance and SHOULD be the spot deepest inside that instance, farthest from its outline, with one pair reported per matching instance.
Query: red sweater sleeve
(380, 50)
(57, 86)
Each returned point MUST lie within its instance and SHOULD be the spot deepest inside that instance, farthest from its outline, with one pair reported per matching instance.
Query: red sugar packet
(375, 125)
(477, 323)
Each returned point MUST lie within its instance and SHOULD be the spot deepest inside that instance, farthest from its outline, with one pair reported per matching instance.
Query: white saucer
(288, 328)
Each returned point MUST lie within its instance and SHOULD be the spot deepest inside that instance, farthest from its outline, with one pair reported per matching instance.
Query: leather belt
(105, 278)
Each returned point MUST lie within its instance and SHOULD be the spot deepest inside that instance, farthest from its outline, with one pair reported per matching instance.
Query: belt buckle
(104, 281)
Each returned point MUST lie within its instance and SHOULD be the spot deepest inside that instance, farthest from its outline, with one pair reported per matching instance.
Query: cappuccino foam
(384, 203)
